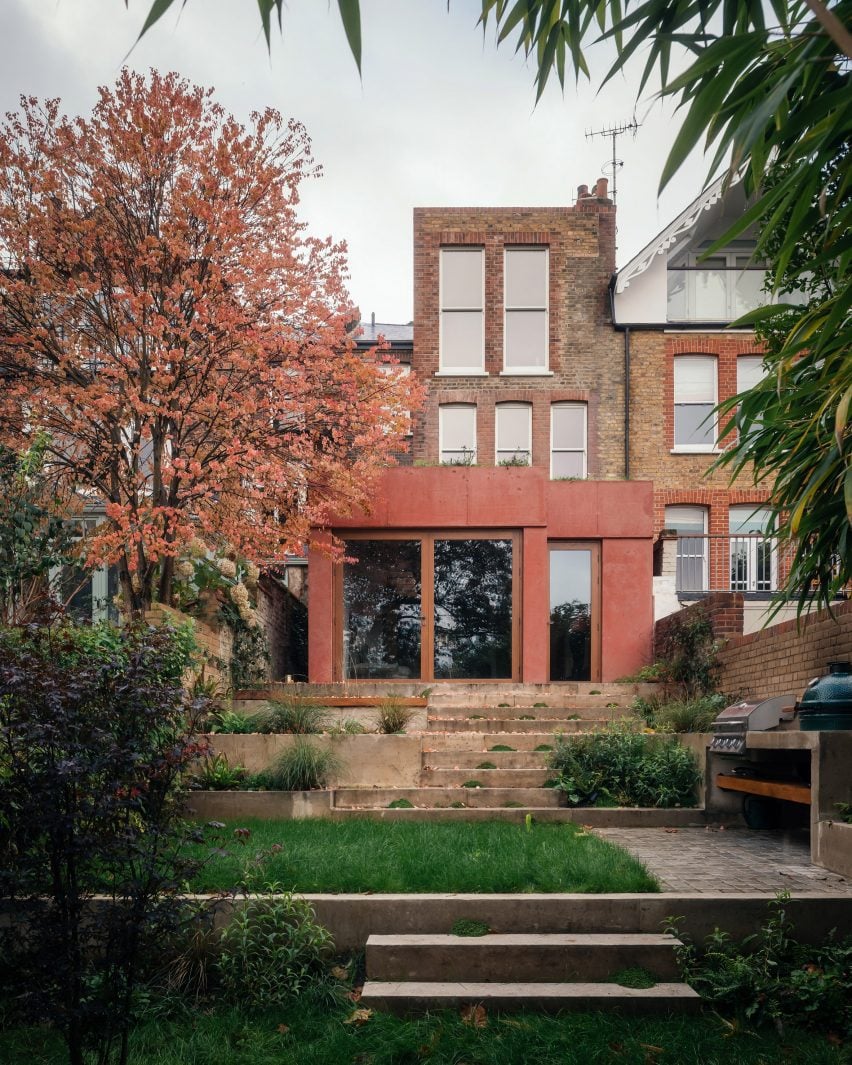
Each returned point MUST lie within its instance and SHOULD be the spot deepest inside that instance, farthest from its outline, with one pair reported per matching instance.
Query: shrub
(230, 722)
(272, 949)
(97, 735)
(392, 716)
(349, 726)
(688, 652)
(217, 774)
(687, 715)
(622, 766)
(302, 767)
(301, 717)
(770, 977)
(469, 927)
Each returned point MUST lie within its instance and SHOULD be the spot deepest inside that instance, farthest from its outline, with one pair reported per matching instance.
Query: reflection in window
(752, 550)
(570, 614)
(473, 609)
(381, 609)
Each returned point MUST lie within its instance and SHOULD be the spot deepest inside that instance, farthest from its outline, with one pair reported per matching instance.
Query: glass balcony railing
(715, 294)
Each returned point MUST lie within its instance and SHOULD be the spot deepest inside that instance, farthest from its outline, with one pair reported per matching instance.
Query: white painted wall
(644, 300)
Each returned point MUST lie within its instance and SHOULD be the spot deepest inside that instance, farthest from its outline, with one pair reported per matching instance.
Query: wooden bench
(770, 789)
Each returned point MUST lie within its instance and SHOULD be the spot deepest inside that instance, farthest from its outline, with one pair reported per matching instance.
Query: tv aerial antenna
(614, 164)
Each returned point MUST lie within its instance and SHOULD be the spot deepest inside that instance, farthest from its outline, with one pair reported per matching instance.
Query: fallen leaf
(340, 972)
(283, 1029)
(835, 1039)
(355, 994)
(671, 830)
(475, 1016)
(359, 1017)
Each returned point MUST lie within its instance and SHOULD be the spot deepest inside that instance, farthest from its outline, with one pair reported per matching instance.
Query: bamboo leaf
(350, 15)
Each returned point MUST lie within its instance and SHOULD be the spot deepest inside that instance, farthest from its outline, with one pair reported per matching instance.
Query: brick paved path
(714, 860)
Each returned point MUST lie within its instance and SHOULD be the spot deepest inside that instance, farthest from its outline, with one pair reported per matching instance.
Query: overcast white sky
(441, 117)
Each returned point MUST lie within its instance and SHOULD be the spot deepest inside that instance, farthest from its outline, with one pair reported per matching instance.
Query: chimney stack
(373, 321)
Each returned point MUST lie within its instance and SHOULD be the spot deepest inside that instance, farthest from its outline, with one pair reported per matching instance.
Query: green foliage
(392, 716)
(844, 812)
(682, 715)
(97, 736)
(217, 774)
(688, 652)
(293, 714)
(349, 726)
(653, 672)
(469, 927)
(472, 784)
(33, 538)
(770, 977)
(542, 747)
(272, 949)
(628, 768)
(250, 649)
(501, 747)
(486, 765)
(302, 767)
(634, 977)
(400, 804)
(231, 722)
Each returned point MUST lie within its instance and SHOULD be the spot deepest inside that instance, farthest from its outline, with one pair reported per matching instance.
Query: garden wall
(724, 609)
(214, 640)
(786, 656)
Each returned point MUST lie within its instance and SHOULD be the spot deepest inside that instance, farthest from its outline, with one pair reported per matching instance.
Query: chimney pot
(582, 191)
(373, 321)
(601, 188)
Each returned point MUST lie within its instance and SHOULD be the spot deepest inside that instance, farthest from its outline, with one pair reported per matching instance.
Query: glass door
(382, 609)
(472, 608)
(574, 611)
(426, 606)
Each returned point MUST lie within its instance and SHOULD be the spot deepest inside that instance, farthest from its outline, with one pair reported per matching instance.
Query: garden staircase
(413, 973)
(485, 749)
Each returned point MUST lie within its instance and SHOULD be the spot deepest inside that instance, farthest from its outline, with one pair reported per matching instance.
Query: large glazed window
(457, 433)
(381, 609)
(514, 434)
(694, 400)
(462, 288)
(526, 321)
(567, 440)
(473, 609)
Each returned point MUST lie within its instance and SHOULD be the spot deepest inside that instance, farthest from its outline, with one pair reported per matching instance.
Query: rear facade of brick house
(513, 341)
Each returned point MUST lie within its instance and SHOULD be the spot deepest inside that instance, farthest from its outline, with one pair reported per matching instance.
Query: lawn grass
(397, 856)
(311, 1035)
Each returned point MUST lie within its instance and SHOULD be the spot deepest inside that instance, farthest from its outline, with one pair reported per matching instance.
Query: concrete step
(487, 778)
(526, 958)
(515, 810)
(472, 760)
(484, 741)
(513, 725)
(494, 798)
(589, 707)
(420, 997)
(482, 693)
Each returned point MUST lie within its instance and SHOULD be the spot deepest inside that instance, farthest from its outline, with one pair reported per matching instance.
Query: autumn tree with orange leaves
(168, 323)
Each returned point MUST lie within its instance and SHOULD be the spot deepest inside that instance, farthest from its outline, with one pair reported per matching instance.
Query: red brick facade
(585, 353)
(682, 477)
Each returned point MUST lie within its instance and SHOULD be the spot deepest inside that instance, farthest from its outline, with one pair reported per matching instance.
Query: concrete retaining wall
(266, 805)
(368, 761)
(832, 848)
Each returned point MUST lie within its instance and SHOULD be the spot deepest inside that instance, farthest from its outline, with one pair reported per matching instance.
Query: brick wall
(682, 478)
(724, 609)
(585, 353)
(283, 615)
(215, 641)
(784, 657)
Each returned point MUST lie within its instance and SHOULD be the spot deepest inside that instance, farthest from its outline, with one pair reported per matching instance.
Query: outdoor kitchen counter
(781, 739)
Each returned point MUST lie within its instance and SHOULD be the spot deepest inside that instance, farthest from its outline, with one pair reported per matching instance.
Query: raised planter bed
(267, 805)
(832, 848)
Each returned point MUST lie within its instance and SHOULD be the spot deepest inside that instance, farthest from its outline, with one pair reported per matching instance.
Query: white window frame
(528, 371)
(497, 449)
(686, 552)
(570, 450)
(750, 544)
(473, 370)
(441, 408)
(703, 449)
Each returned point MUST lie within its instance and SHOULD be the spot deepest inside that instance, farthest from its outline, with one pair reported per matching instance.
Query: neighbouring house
(512, 548)
(672, 306)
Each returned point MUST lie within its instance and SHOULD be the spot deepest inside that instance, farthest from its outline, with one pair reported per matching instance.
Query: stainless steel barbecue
(735, 722)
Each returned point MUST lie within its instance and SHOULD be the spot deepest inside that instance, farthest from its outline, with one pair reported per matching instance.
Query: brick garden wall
(585, 353)
(724, 609)
(784, 657)
(215, 641)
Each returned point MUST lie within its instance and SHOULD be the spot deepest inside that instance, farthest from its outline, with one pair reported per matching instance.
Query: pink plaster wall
(618, 514)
